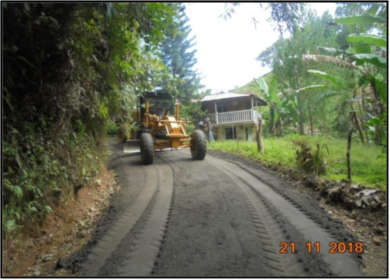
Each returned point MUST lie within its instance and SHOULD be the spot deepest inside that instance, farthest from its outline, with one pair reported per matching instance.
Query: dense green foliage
(285, 57)
(340, 69)
(69, 68)
(366, 94)
(346, 90)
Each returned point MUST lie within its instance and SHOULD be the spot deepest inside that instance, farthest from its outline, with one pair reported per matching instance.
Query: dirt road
(180, 217)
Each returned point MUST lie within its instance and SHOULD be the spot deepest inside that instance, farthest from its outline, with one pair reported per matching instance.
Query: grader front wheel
(147, 149)
(198, 145)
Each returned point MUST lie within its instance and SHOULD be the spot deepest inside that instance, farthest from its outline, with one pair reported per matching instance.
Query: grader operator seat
(160, 103)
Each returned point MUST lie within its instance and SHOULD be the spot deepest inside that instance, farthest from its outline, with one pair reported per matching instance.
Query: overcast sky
(227, 49)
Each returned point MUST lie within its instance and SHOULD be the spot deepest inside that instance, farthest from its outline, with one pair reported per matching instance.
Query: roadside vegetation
(328, 85)
(369, 166)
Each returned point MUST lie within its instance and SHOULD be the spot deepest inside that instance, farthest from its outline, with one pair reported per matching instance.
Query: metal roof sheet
(227, 95)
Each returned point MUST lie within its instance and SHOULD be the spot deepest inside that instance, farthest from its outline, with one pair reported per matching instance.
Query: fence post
(349, 155)
(258, 136)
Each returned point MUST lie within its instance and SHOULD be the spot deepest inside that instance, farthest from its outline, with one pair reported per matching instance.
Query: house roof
(228, 95)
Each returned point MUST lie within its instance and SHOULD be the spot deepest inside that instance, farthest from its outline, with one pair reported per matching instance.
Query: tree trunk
(361, 119)
(311, 120)
(258, 136)
(380, 108)
(301, 129)
(281, 131)
(272, 119)
(364, 109)
(349, 155)
(357, 122)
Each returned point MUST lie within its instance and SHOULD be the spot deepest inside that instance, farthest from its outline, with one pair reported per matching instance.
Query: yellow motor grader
(154, 129)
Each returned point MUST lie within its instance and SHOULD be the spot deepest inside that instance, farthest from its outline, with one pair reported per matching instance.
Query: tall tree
(285, 56)
(286, 15)
(178, 55)
(366, 58)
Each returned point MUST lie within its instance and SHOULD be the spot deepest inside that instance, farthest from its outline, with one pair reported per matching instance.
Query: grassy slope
(367, 168)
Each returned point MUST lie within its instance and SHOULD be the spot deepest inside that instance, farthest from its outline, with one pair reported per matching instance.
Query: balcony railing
(243, 116)
(238, 117)
(235, 116)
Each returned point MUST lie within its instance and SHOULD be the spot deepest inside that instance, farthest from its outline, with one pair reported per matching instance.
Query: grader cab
(153, 128)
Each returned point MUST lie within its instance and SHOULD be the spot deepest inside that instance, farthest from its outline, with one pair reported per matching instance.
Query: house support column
(252, 108)
(216, 112)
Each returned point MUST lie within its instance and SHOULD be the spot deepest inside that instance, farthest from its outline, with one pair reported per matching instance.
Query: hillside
(252, 87)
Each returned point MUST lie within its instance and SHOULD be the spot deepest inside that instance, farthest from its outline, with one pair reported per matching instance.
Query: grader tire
(198, 145)
(147, 149)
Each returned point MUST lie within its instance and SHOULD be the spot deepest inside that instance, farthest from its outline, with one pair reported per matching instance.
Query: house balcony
(243, 116)
(232, 117)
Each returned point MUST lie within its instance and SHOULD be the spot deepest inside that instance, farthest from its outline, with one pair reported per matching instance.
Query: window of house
(248, 105)
(230, 133)
(221, 108)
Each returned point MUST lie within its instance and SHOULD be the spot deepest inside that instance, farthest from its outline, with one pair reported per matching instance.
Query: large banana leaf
(379, 41)
(360, 20)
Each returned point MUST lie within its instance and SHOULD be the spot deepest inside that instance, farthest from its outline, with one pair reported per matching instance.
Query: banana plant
(271, 98)
(367, 55)
(278, 107)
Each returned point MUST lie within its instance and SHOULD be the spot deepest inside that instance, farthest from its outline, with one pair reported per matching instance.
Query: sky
(227, 49)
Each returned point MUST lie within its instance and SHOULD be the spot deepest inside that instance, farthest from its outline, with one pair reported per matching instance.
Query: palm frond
(331, 59)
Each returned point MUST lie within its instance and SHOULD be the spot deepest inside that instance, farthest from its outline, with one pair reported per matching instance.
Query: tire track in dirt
(106, 246)
(267, 231)
(140, 259)
(339, 264)
(305, 202)
(209, 232)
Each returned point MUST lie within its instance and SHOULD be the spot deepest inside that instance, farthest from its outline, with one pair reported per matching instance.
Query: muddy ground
(181, 217)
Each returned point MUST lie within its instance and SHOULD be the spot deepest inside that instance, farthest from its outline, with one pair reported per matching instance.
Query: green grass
(369, 166)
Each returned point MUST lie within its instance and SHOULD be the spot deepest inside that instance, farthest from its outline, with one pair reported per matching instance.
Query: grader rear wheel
(198, 145)
(147, 149)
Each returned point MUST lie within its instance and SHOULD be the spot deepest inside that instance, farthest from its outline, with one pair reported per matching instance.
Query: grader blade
(131, 146)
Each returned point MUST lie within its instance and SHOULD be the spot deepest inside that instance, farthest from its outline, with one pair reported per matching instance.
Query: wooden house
(233, 115)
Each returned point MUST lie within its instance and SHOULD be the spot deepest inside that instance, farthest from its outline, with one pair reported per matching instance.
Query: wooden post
(349, 155)
(252, 119)
(216, 112)
(301, 129)
(258, 136)
(357, 119)
(357, 122)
